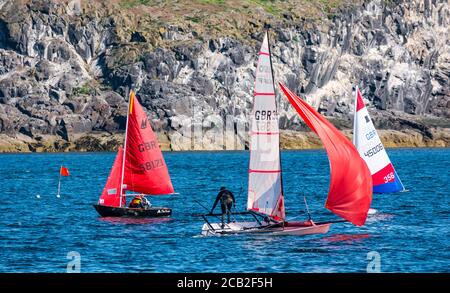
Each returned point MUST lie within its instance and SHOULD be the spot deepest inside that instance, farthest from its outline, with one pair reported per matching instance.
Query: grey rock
(66, 73)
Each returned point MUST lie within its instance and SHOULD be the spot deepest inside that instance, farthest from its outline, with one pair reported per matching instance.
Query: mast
(59, 181)
(125, 147)
(354, 117)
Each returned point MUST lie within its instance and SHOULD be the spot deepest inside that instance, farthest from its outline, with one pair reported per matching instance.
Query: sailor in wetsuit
(227, 201)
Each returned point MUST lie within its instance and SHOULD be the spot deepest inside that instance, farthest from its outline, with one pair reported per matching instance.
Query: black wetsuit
(227, 200)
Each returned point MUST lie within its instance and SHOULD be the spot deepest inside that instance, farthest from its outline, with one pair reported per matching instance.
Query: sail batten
(265, 191)
(350, 191)
(371, 149)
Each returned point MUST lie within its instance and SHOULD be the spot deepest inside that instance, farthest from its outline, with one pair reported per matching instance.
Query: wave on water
(378, 216)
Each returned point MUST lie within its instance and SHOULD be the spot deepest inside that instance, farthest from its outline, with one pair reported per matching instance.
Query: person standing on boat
(227, 201)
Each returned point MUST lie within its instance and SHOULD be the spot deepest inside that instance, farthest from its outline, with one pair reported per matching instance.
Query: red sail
(111, 194)
(350, 191)
(145, 168)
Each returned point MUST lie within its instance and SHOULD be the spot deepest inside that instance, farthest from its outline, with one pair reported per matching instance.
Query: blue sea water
(409, 232)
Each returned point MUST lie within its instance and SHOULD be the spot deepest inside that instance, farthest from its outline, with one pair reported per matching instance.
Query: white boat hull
(294, 228)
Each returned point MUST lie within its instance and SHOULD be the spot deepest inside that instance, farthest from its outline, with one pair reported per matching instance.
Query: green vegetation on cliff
(222, 18)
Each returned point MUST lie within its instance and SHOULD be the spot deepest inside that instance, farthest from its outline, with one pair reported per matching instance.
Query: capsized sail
(145, 169)
(265, 191)
(111, 195)
(350, 192)
(370, 148)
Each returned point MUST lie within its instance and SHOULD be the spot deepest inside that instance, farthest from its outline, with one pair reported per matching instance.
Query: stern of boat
(300, 230)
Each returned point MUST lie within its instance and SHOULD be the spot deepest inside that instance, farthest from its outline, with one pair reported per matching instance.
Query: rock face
(65, 67)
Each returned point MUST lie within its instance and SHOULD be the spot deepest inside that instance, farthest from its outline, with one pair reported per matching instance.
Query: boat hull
(153, 212)
(293, 228)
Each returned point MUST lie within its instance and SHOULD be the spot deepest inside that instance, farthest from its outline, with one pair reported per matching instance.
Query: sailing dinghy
(265, 202)
(139, 167)
(371, 149)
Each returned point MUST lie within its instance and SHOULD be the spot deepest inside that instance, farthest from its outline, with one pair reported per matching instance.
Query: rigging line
(225, 224)
(234, 206)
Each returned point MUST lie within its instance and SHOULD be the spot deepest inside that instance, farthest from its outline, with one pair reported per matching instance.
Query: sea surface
(40, 232)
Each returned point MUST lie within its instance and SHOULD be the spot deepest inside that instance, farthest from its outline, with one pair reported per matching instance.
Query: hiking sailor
(227, 201)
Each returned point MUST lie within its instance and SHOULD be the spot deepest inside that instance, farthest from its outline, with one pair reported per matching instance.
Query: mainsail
(145, 169)
(111, 195)
(350, 192)
(265, 191)
(371, 149)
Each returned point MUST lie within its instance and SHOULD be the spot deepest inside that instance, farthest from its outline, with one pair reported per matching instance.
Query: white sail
(265, 191)
(371, 149)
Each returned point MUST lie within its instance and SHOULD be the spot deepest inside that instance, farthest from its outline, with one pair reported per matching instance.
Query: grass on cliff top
(191, 21)
(218, 18)
(309, 8)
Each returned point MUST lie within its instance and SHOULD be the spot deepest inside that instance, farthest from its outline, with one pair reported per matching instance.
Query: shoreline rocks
(290, 140)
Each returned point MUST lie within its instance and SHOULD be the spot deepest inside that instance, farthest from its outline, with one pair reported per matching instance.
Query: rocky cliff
(66, 66)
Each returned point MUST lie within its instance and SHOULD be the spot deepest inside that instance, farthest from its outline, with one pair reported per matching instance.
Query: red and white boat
(294, 228)
(350, 187)
(139, 167)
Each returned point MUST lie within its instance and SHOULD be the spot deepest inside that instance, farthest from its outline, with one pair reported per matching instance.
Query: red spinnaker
(350, 192)
(111, 194)
(145, 168)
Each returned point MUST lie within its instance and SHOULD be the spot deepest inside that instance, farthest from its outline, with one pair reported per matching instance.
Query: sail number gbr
(266, 115)
(147, 146)
(376, 149)
(150, 165)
